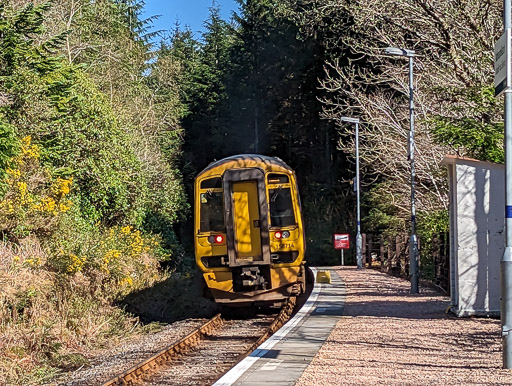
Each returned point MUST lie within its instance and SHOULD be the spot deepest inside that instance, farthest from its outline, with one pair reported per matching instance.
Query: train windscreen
(212, 212)
(281, 207)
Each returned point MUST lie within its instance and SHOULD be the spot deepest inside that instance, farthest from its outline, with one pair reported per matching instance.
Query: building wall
(477, 223)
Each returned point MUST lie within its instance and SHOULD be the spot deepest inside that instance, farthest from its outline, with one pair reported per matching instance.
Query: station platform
(283, 357)
(365, 328)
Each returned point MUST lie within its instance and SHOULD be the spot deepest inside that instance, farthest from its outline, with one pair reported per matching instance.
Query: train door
(247, 217)
(246, 221)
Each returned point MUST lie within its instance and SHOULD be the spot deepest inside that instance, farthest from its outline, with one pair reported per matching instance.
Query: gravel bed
(111, 362)
(388, 336)
(215, 355)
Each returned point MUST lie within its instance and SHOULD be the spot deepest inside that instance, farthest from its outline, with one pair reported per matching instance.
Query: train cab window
(277, 179)
(211, 183)
(212, 212)
(281, 207)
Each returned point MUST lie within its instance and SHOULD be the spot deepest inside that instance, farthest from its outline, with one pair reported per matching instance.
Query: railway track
(207, 353)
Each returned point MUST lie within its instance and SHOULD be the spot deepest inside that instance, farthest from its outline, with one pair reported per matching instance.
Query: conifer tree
(208, 120)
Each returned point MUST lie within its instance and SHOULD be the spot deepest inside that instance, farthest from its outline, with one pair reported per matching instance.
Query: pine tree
(208, 121)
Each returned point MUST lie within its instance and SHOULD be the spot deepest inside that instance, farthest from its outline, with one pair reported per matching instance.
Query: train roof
(249, 160)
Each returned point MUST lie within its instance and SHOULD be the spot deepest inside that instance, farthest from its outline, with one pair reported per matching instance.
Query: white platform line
(236, 372)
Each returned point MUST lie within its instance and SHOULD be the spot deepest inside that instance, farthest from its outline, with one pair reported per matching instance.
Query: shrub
(115, 260)
(33, 200)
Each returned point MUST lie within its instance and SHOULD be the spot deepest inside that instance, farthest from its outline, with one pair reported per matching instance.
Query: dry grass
(50, 320)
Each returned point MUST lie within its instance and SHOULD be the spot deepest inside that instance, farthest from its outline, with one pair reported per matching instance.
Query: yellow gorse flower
(63, 186)
(65, 206)
(126, 281)
(75, 263)
(111, 255)
(47, 204)
(15, 173)
(22, 187)
(35, 262)
(137, 243)
(29, 150)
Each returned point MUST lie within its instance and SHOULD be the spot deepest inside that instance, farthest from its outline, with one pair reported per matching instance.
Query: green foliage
(81, 137)
(88, 140)
(432, 228)
(89, 146)
(144, 98)
(33, 200)
(60, 108)
(382, 214)
(81, 134)
(9, 146)
(474, 133)
(256, 78)
(325, 213)
(431, 224)
(202, 90)
(120, 258)
(17, 32)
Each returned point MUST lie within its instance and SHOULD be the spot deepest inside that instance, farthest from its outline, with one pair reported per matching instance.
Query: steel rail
(283, 316)
(136, 373)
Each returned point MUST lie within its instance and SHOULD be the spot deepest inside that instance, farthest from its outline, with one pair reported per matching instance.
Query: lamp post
(506, 260)
(413, 241)
(359, 239)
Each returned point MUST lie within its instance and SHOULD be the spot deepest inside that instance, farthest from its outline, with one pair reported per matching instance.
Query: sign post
(502, 66)
(342, 242)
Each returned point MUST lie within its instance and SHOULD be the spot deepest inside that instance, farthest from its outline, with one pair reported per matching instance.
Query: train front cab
(250, 244)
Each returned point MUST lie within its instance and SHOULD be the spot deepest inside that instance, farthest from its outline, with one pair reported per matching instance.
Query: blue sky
(188, 12)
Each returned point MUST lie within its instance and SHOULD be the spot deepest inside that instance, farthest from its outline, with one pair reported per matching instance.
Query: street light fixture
(413, 241)
(359, 239)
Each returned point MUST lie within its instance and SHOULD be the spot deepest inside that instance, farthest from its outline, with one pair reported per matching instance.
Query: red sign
(341, 241)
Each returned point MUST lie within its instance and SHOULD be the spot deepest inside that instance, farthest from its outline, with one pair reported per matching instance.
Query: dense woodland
(102, 132)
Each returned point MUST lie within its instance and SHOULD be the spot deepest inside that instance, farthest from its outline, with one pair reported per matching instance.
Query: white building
(477, 238)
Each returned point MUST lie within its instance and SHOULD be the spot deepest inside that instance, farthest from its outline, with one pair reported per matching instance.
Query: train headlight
(281, 235)
(217, 239)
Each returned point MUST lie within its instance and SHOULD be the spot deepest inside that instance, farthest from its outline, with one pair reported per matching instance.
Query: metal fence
(390, 254)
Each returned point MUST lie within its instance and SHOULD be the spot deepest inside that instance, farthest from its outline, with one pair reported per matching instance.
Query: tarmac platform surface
(366, 328)
(283, 357)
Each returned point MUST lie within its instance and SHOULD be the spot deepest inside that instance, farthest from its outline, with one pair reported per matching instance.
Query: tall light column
(506, 261)
(359, 239)
(413, 240)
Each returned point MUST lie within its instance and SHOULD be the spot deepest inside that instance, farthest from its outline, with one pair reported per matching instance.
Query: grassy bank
(50, 320)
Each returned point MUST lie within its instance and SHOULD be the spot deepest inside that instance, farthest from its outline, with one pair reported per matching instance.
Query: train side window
(281, 207)
(211, 183)
(212, 212)
(277, 179)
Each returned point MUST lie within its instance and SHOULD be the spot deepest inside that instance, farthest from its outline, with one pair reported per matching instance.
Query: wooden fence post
(398, 254)
(382, 259)
(369, 250)
(390, 255)
(363, 252)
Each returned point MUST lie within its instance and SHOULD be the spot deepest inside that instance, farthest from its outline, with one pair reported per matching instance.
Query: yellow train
(249, 238)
